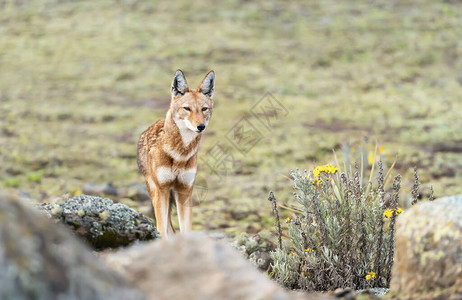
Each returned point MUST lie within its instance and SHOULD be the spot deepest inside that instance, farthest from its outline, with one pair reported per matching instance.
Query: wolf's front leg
(161, 210)
(183, 197)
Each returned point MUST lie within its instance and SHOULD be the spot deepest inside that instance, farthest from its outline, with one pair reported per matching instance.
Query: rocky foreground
(40, 259)
(44, 261)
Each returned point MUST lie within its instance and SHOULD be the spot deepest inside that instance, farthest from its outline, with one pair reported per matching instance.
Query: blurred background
(80, 81)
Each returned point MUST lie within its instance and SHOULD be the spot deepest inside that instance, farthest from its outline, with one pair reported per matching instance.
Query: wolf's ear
(207, 86)
(179, 85)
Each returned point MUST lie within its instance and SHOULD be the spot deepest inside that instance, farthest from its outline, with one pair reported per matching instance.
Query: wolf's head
(192, 109)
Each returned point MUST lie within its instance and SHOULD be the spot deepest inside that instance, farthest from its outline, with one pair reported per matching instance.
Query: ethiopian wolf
(167, 151)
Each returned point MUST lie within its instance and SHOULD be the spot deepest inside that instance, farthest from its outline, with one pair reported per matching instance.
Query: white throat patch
(187, 131)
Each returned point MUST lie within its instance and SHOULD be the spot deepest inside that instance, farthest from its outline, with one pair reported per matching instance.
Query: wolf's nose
(201, 127)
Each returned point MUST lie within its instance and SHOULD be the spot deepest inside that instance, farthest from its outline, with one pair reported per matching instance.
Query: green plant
(343, 236)
(35, 176)
(12, 182)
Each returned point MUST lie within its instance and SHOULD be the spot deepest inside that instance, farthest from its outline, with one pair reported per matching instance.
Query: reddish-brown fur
(167, 151)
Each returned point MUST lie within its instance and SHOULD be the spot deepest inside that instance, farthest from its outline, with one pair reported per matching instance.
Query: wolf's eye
(204, 108)
(187, 108)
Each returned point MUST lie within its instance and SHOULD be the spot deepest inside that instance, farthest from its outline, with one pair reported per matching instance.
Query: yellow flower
(307, 250)
(370, 158)
(388, 213)
(315, 181)
(381, 149)
(332, 169)
(292, 253)
(316, 171)
(288, 220)
(328, 169)
(370, 275)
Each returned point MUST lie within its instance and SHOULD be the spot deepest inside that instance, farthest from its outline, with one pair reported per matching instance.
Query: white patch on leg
(187, 217)
(184, 213)
(165, 174)
(165, 222)
(187, 176)
(185, 220)
(151, 183)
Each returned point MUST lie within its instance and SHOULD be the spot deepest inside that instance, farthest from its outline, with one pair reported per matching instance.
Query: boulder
(101, 222)
(428, 256)
(41, 260)
(194, 266)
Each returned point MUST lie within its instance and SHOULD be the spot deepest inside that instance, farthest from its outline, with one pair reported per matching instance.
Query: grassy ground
(80, 80)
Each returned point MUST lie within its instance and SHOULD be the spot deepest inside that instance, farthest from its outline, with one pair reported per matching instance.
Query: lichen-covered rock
(194, 266)
(428, 257)
(43, 261)
(101, 222)
(256, 248)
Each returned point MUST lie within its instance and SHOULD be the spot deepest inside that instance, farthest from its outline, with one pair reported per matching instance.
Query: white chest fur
(185, 176)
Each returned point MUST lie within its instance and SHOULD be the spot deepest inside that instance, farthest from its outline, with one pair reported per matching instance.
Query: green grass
(79, 81)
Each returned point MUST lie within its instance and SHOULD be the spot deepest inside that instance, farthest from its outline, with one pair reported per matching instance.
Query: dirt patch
(445, 148)
(335, 126)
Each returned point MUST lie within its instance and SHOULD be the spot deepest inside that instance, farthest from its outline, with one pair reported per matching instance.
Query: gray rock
(379, 292)
(40, 260)
(134, 191)
(194, 266)
(428, 257)
(256, 248)
(345, 293)
(101, 222)
(95, 189)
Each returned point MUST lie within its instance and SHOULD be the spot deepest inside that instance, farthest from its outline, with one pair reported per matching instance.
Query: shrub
(343, 236)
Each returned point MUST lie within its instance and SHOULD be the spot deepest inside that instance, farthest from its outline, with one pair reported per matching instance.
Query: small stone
(343, 292)
(99, 189)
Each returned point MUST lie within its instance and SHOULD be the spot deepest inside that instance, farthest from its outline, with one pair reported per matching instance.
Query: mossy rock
(101, 222)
